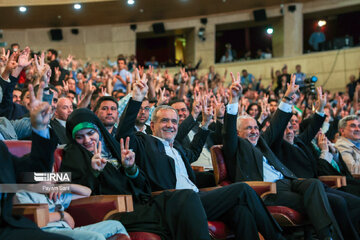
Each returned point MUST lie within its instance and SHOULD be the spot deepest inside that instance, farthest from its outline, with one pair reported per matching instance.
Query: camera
(309, 85)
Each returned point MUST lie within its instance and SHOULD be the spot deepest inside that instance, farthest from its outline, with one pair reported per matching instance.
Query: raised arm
(282, 115)
(42, 149)
(128, 117)
(230, 138)
(317, 119)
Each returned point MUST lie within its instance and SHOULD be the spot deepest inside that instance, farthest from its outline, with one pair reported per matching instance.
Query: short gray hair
(240, 118)
(154, 117)
(344, 120)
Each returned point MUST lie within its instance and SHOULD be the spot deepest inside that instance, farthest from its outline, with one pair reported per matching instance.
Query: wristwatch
(61, 215)
(58, 208)
(287, 98)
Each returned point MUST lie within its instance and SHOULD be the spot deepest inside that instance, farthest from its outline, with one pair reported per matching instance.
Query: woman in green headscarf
(96, 160)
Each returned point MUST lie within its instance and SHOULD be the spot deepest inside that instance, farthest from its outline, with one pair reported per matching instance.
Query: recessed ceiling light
(22, 9)
(77, 6)
(131, 2)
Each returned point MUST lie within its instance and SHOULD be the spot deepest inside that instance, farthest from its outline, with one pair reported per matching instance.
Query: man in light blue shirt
(122, 77)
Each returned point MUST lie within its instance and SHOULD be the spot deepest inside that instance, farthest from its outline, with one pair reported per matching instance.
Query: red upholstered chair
(39, 213)
(284, 215)
(98, 208)
(18, 148)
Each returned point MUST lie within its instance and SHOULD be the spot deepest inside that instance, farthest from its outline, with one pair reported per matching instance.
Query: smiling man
(349, 142)
(167, 165)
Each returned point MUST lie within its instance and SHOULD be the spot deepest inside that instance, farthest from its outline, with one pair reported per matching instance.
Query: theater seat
(98, 208)
(18, 148)
(284, 215)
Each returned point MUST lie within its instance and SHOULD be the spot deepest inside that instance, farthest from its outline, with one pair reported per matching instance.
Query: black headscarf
(110, 180)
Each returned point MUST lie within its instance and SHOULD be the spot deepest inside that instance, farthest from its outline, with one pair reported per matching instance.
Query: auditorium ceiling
(60, 13)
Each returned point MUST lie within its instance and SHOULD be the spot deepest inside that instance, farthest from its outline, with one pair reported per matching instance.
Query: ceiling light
(22, 9)
(77, 6)
(131, 2)
(269, 30)
(321, 23)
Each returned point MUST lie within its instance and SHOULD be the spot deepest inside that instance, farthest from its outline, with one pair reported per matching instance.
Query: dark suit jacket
(299, 159)
(59, 130)
(8, 108)
(147, 130)
(40, 159)
(190, 124)
(244, 161)
(150, 152)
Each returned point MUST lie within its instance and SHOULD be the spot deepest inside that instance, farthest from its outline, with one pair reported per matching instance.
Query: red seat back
(218, 161)
(18, 148)
(58, 156)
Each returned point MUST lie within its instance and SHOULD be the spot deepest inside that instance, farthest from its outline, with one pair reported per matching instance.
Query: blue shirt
(247, 80)
(119, 85)
(315, 39)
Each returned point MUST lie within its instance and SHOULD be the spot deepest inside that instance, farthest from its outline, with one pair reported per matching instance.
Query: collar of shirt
(166, 143)
(143, 130)
(357, 144)
(62, 122)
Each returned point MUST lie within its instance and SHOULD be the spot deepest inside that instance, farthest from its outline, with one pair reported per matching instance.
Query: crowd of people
(129, 130)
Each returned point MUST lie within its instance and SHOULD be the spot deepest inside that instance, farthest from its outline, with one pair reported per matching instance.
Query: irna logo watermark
(52, 177)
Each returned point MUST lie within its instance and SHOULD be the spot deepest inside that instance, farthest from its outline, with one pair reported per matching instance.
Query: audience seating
(284, 216)
(18, 148)
(110, 204)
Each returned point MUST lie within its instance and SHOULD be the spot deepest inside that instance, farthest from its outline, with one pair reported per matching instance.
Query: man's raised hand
(235, 88)
(140, 87)
(40, 112)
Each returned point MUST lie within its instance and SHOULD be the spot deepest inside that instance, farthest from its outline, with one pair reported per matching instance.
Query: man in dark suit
(63, 110)
(294, 153)
(249, 158)
(142, 117)
(106, 110)
(167, 166)
(188, 127)
(40, 159)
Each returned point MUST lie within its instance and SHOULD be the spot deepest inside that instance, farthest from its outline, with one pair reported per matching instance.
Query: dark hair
(121, 59)
(23, 92)
(175, 100)
(105, 98)
(18, 89)
(14, 44)
(272, 100)
(259, 108)
(71, 91)
(53, 51)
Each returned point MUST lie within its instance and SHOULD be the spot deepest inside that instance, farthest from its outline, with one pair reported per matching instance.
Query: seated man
(294, 153)
(40, 159)
(167, 165)
(348, 144)
(188, 127)
(63, 109)
(61, 222)
(106, 110)
(99, 162)
(143, 117)
(248, 157)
